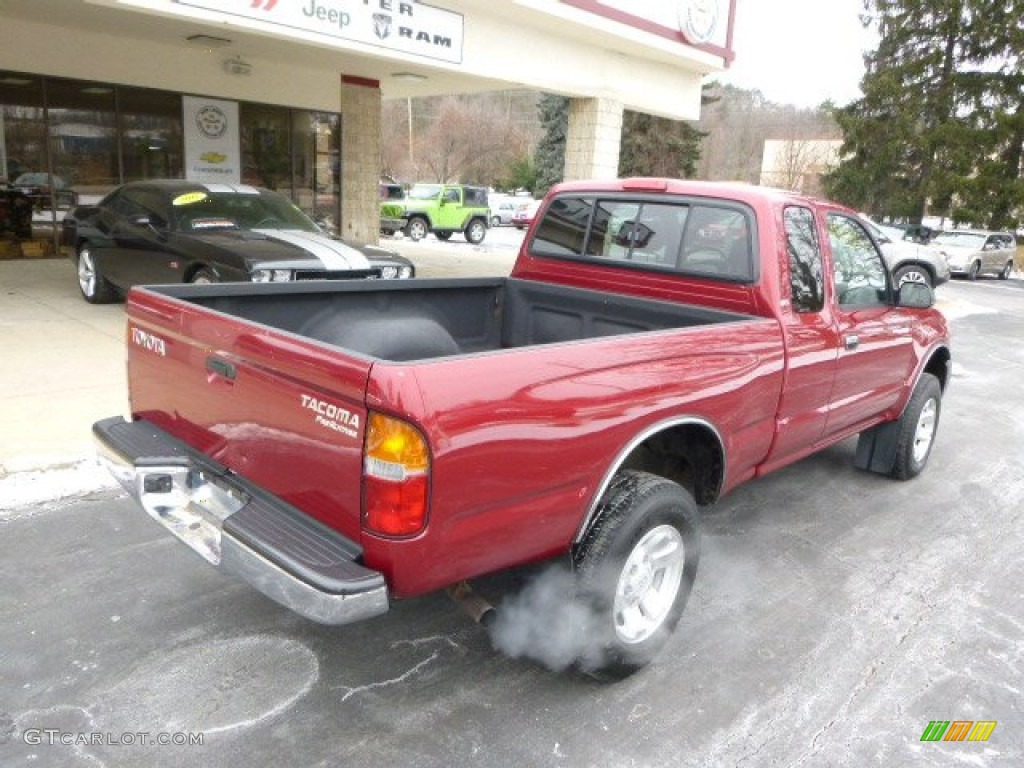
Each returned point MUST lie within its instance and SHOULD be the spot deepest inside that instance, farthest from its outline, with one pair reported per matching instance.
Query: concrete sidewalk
(62, 359)
(62, 366)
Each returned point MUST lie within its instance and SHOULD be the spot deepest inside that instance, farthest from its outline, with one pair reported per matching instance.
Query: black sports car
(176, 231)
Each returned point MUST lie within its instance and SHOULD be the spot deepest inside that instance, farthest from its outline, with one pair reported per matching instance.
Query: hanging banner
(212, 146)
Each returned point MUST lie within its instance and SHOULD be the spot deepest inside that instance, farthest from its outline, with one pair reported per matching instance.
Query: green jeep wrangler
(444, 209)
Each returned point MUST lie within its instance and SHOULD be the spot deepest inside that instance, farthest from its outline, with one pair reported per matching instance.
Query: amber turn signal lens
(395, 472)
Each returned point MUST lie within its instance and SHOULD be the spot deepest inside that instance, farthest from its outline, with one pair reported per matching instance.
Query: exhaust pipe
(478, 609)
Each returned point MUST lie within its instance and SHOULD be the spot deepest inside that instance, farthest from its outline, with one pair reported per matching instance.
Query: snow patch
(22, 493)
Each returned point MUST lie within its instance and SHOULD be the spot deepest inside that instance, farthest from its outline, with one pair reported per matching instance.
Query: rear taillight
(396, 470)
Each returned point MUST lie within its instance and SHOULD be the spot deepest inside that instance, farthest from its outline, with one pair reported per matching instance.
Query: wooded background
(939, 130)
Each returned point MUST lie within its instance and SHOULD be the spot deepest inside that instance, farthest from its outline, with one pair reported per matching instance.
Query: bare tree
(798, 164)
(468, 138)
(738, 123)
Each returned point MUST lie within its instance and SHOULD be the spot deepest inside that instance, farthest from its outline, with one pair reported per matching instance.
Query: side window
(807, 285)
(562, 230)
(156, 207)
(451, 196)
(717, 242)
(859, 274)
(124, 204)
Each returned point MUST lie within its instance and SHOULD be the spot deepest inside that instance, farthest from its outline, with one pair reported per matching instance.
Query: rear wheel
(476, 231)
(94, 286)
(1007, 271)
(416, 229)
(635, 569)
(495, 221)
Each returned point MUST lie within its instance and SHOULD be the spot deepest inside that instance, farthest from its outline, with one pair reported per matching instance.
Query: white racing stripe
(334, 254)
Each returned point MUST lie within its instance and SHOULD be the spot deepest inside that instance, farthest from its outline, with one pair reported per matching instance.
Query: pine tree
(549, 157)
(940, 128)
(657, 146)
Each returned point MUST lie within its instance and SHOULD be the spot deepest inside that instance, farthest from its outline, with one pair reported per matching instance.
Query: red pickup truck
(659, 342)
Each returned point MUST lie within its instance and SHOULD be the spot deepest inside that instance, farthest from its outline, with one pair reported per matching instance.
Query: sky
(799, 52)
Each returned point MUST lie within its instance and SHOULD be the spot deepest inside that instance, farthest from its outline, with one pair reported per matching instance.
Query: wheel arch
(939, 364)
(687, 450)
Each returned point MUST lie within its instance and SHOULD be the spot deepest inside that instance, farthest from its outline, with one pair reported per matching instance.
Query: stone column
(360, 159)
(593, 139)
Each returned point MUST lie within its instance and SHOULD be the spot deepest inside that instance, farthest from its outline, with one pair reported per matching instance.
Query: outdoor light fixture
(408, 77)
(208, 42)
(236, 66)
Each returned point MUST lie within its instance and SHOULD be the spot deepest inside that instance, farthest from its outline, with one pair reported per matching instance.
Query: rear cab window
(687, 236)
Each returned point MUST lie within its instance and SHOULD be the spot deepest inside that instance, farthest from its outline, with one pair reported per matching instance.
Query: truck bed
(427, 319)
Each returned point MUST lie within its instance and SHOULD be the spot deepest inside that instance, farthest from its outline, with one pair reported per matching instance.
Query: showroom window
(151, 134)
(65, 142)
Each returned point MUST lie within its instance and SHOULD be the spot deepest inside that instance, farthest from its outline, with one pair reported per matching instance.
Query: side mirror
(915, 296)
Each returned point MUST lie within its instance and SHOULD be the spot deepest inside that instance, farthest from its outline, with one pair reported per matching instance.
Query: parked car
(523, 217)
(176, 231)
(39, 187)
(445, 209)
(975, 252)
(909, 262)
(392, 207)
(502, 211)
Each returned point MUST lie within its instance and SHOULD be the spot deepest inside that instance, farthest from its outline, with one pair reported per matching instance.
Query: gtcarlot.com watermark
(54, 736)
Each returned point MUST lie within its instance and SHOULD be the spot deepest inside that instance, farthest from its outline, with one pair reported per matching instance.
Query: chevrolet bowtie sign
(398, 25)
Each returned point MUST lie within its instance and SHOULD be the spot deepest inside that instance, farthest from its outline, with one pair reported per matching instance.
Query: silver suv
(909, 262)
(975, 252)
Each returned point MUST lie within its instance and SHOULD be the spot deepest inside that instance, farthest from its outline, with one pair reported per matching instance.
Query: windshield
(424, 191)
(962, 239)
(238, 210)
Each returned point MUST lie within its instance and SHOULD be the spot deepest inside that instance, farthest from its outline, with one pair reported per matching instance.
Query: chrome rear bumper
(239, 528)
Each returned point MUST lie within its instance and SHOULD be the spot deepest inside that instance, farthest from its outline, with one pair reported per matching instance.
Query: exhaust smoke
(549, 623)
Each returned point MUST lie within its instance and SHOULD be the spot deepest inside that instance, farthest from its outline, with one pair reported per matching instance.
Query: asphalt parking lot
(836, 614)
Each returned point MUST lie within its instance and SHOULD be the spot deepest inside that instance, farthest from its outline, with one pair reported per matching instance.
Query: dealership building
(287, 94)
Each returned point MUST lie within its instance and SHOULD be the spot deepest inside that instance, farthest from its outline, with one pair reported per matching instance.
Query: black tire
(204, 276)
(417, 228)
(95, 288)
(495, 221)
(974, 271)
(446, 236)
(917, 428)
(476, 231)
(636, 599)
(1007, 271)
(912, 273)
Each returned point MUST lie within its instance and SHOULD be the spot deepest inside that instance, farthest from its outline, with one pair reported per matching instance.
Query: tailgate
(281, 411)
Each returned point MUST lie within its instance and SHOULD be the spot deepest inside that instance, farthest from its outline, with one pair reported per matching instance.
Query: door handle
(221, 368)
(851, 342)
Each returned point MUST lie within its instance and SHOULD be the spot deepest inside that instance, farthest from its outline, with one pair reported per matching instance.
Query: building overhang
(648, 56)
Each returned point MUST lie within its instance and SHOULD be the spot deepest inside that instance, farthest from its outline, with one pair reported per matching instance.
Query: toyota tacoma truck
(339, 446)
